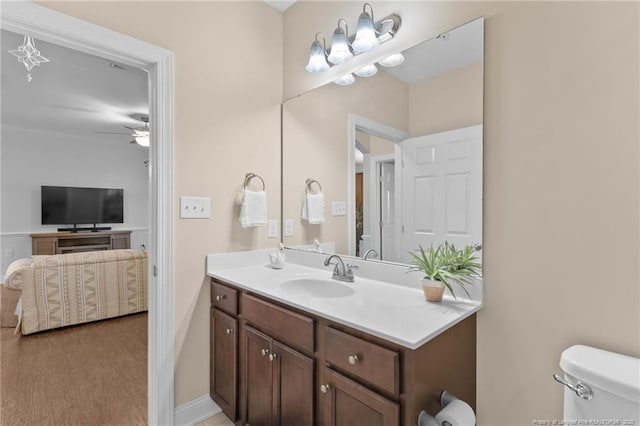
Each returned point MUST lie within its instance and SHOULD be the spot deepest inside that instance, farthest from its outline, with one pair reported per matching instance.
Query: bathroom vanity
(375, 355)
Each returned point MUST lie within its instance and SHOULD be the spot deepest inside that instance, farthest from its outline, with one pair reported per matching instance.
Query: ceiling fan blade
(113, 133)
(133, 141)
(130, 128)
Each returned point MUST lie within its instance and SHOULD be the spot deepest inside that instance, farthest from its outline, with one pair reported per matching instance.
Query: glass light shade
(340, 51)
(367, 71)
(317, 60)
(142, 140)
(393, 60)
(366, 38)
(345, 80)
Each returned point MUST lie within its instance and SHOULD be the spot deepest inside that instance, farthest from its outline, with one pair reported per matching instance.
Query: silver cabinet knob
(324, 388)
(264, 352)
(272, 357)
(353, 359)
(229, 330)
(220, 297)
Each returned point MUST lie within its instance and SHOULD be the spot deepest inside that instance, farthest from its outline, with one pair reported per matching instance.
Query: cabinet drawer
(225, 298)
(367, 361)
(284, 325)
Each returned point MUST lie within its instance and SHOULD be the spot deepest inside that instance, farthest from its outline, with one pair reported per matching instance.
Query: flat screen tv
(65, 205)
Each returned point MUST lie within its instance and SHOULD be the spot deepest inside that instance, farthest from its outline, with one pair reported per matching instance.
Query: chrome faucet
(371, 252)
(341, 272)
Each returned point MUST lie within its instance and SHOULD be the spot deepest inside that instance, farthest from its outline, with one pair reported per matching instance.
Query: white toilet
(600, 386)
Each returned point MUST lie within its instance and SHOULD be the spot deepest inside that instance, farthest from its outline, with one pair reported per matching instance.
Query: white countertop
(397, 313)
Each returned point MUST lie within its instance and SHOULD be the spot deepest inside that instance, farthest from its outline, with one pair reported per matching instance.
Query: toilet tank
(614, 380)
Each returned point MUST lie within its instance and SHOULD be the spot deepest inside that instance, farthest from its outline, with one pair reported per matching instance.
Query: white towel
(313, 208)
(253, 210)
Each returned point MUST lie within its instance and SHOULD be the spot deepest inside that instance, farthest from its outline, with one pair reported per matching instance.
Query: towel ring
(249, 176)
(309, 183)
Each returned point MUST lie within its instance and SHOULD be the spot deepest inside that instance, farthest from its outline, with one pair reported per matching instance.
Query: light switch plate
(273, 229)
(195, 207)
(338, 208)
(288, 228)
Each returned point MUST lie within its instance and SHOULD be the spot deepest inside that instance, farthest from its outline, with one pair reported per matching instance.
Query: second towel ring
(249, 176)
(309, 183)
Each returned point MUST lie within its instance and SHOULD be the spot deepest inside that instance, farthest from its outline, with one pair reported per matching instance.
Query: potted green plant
(445, 265)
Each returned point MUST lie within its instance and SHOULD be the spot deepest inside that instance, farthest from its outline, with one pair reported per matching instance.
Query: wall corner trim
(196, 411)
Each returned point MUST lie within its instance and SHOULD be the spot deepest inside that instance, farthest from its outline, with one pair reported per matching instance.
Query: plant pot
(433, 290)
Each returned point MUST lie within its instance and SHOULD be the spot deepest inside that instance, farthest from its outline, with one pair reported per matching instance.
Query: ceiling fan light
(340, 51)
(366, 38)
(142, 140)
(392, 61)
(317, 60)
(345, 80)
(367, 71)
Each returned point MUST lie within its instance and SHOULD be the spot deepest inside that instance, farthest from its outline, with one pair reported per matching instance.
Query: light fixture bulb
(340, 51)
(367, 71)
(393, 60)
(366, 38)
(345, 80)
(317, 60)
(142, 139)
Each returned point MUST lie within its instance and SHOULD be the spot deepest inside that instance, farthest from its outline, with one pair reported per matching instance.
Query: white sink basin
(317, 287)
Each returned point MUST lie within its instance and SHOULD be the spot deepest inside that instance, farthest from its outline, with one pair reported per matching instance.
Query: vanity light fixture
(345, 80)
(367, 71)
(317, 58)
(29, 55)
(340, 51)
(392, 61)
(368, 36)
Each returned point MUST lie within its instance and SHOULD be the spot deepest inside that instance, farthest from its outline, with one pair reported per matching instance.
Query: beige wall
(561, 173)
(228, 74)
(447, 101)
(315, 145)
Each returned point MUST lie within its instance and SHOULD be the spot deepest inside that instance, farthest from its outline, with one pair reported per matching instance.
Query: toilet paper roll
(457, 413)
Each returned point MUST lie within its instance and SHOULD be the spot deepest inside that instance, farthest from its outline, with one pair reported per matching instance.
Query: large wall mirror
(397, 156)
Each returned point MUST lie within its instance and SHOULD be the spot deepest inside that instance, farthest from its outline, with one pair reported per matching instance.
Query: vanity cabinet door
(346, 403)
(224, 362)
(293, 386)
(257, 377)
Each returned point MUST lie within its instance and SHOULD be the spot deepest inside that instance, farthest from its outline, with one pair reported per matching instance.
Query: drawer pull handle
(264, 352)
(324, 388)
(221, 297)
(272, 357)
(353, 359)
(229, 330)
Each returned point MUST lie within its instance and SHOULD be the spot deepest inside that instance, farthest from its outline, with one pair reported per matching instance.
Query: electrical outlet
(195, 207)
(273, 229)
(288, 228)
(338, 208)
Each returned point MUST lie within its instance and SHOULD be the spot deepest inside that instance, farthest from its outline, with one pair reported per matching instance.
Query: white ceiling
(74, 94)
(280, 5)
(457, 48)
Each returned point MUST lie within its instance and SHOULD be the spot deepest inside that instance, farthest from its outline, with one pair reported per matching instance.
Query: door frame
(48, 25)
(357, 122)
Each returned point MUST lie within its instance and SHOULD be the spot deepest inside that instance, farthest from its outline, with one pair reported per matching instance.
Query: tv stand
(72, 242)
(76, 229)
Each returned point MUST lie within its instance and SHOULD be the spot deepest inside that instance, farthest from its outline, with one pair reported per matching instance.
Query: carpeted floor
(91, 374)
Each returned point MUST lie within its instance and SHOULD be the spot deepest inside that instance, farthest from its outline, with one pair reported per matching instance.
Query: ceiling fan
(140, 134)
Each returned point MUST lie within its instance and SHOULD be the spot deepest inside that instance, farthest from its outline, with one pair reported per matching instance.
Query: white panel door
(441, 189)
(387, 211)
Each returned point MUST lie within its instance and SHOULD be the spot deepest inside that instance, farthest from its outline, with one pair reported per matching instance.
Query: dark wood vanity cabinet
(277, 382)
(223, 377)
(289, 367)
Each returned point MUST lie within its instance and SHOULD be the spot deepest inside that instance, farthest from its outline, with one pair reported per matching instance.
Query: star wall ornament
(28, 55)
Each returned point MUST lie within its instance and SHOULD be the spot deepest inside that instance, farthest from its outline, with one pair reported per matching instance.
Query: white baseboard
(196, 411)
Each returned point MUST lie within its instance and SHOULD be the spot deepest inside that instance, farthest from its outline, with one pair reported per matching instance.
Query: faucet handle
(350, 268)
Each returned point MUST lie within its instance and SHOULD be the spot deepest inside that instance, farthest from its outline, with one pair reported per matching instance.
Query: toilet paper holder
(425, 419)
